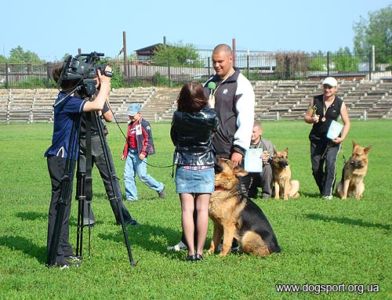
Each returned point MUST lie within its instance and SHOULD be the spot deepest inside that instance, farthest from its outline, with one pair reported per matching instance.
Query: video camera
(83, 69)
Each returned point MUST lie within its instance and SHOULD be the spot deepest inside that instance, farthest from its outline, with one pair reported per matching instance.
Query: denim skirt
(195, 180)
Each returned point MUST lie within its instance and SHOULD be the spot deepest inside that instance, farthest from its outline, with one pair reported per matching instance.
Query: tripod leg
(114, 183)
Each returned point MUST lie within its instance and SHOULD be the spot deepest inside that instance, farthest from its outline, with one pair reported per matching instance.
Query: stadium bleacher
(275, 100)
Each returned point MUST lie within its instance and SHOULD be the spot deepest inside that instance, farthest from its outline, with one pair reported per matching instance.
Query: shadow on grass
(150, 237)
(345, 220)
(31, 215)
(26, 246)
(310, 195)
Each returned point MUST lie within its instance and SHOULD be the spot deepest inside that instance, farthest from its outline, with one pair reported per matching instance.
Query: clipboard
(253, 162)
(334, 130)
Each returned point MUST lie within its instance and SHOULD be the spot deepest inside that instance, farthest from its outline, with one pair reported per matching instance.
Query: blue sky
(53, 28)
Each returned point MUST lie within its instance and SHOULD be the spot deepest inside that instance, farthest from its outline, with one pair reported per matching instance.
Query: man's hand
(142, 156)
(236, 158)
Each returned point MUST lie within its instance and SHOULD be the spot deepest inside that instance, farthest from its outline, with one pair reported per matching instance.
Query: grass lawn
(326, 245)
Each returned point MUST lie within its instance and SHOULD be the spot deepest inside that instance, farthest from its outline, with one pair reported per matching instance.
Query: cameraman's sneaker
(178, 247)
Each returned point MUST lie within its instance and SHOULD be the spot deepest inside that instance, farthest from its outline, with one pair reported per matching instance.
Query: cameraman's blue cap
(133, 109)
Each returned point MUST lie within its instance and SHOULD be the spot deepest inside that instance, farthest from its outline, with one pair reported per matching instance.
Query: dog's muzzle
(356, 164)
(283, 164)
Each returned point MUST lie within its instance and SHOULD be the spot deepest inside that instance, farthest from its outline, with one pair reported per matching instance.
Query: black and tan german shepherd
(236, 216)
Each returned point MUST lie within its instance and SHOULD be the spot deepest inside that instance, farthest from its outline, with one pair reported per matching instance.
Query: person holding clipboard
(326, 135)
(257, 163)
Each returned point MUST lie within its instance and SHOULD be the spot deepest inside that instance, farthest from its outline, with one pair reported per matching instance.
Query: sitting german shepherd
(354, 171)
(236, 216)
(284, 187)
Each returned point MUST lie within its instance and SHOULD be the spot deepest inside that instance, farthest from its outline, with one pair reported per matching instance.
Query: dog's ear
(367, 149)
(286, 150)
(240, 172)
(274, 151)
(354, 144)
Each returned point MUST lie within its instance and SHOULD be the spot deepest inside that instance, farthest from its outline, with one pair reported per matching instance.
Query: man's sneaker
(63, 267)
(327, 197)
(162, 194)
(178, 247)
(73, 260)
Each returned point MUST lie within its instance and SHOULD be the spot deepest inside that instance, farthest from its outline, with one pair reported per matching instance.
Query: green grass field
(323, 242)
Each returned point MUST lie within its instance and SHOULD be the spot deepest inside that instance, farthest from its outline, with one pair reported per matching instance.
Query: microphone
(211, 100)
(211, 85)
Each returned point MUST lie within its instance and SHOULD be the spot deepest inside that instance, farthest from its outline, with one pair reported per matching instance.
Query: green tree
(344, 61)
(377, 31)
(18, 55)
(3, 59)
(177, 55)
(317, 61)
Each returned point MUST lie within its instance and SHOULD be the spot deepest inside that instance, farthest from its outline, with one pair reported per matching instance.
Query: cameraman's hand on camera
(103, 93)
(103, 79)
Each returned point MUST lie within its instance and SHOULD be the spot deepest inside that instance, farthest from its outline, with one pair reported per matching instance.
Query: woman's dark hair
(65, 84)
(56, 72)
(191, 98)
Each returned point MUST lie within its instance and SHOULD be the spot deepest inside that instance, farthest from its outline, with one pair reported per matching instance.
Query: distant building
(145, 54)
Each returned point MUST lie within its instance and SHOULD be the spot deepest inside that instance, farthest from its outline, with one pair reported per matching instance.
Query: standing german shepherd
(354, 172)
(236, 216)
(284, 187)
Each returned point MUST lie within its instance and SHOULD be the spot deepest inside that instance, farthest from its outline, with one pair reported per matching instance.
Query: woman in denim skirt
(193, 125)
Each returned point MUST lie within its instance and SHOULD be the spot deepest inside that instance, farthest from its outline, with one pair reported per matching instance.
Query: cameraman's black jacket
(191, 133)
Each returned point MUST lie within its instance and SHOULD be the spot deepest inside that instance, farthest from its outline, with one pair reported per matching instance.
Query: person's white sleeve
(245, 112)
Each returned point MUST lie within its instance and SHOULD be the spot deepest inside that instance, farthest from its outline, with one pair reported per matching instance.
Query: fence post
(370, 66)
(373, 58)
(168, 73)
(6, 76)
(327, 63)
(48, 75)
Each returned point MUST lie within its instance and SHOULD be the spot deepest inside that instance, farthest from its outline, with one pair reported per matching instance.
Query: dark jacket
(234, 105)
(191, 134)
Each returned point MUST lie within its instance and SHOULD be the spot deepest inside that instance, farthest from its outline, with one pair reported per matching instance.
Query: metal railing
(255, 65)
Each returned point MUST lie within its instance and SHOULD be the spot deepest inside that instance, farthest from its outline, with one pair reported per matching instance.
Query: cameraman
(64, 151)
(98, 158)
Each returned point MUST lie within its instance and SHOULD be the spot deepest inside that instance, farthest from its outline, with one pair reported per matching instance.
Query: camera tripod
(84, 192)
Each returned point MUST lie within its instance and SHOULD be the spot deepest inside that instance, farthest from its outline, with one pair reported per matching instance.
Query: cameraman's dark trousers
(98, 158)
(56, 167)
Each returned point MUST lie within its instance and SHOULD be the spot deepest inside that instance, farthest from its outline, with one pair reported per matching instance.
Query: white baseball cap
(330, 81)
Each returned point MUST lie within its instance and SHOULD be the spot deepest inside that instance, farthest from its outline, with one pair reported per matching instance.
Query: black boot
(126, 215)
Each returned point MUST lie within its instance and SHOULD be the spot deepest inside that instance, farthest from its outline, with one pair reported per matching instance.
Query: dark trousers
(56, 168)
(263, 180)
(113, 191)
(323, 158)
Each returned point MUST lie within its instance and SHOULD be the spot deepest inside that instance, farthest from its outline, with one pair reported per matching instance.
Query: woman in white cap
(322, 111)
